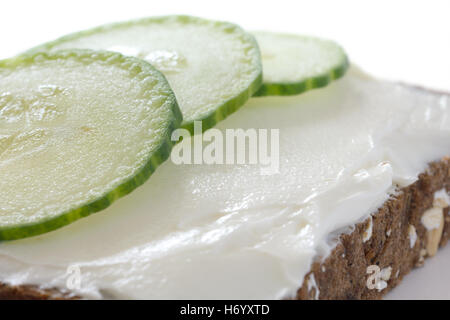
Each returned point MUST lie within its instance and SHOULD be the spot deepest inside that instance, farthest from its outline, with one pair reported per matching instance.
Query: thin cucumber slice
(78, 130)
(294, 64)
(213, 67)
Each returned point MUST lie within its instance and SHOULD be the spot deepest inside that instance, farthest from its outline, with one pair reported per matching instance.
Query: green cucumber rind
(223, 110)
(158, 156)
(294, 88)
(227, 108)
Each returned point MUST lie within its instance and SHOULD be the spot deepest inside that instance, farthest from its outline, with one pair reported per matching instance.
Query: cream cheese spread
(228, 231)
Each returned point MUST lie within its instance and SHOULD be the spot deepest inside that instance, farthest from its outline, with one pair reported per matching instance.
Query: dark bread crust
(8, 292)
(343, 273)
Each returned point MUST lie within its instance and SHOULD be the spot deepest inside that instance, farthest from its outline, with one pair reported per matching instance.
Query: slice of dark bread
(344, 273)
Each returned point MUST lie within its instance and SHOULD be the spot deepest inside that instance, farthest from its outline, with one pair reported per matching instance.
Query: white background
(399, 40)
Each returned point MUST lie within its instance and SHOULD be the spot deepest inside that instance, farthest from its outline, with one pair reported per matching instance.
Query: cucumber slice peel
(294, 64)
(78, 130)
(213, 67)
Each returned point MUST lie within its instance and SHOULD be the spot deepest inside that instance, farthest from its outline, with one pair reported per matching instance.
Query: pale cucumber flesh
(293, 64)
(213, 67)
(78, 129)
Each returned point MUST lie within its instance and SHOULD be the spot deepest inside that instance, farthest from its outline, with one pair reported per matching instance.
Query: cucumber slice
(78, 130)
(294, 64)
(213, 67)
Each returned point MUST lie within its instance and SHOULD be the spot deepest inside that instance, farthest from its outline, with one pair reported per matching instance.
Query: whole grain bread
(344, 273)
